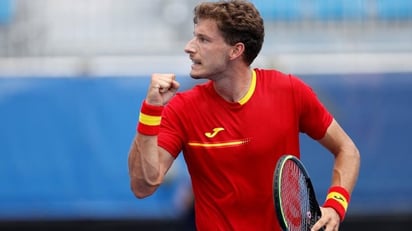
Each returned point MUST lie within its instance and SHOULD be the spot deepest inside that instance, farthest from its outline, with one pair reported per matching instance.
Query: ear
(237, 51)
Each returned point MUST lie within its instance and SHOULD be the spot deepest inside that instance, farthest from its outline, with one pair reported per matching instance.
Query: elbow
(353, 158)
(142, 189)
(356, 154)
(358, 158)
(352, 154)
(141, 194)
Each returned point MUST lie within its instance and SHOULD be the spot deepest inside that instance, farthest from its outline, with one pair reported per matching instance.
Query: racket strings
(299, 207)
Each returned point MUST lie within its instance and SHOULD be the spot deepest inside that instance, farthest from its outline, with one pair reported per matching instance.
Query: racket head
(294, 197)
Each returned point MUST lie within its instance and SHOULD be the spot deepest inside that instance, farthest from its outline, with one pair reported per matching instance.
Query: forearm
(346, 168)
(346, 155)
(148, 163)
(344, 175)
(144, 165)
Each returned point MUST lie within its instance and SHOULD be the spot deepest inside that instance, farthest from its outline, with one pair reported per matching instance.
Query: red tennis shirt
(231, 149)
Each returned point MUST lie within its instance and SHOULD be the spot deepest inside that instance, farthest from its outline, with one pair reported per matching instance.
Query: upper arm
(336, 140)
(166, 160)
(313, 117)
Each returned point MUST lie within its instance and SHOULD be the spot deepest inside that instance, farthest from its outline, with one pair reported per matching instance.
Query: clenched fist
(161, 89)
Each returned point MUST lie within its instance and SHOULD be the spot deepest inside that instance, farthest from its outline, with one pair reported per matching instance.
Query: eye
(202, 39)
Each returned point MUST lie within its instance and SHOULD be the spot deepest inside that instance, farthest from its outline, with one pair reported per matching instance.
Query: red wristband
(149, 119)
(338, 198)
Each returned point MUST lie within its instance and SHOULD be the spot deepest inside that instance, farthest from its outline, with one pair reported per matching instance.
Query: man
(233, 129)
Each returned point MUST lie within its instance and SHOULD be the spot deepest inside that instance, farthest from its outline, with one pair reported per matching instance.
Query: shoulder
(187, 98)
(273, 73)
(197, 91)
(273, 77)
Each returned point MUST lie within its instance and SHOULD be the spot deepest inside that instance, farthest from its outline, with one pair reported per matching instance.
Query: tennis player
(233, 128)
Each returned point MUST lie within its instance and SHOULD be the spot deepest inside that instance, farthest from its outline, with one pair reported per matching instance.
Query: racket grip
(149, 119)
(338, 198)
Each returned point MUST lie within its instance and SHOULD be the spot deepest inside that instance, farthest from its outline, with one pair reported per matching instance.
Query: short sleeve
(171, 133)
(314, 118)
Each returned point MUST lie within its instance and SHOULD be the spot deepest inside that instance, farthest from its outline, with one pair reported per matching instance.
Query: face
(208, 51)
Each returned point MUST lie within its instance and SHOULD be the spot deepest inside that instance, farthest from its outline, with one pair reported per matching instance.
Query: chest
(257, 127)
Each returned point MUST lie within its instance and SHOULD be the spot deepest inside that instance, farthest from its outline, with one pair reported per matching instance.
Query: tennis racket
(295, 201)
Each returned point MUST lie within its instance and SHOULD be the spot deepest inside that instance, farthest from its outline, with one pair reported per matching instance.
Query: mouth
(195, 61)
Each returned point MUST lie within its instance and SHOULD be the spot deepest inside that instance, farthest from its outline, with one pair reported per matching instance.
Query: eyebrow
(202, 35)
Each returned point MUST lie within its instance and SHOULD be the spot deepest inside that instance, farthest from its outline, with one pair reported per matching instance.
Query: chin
(196, 75)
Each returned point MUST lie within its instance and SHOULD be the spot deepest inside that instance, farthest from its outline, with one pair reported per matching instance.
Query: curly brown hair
(238, 21)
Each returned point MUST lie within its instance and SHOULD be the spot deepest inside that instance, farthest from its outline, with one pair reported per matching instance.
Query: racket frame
(277, 188)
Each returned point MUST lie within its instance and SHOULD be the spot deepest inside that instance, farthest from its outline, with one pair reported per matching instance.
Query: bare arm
(347, 158)
(345, 170)
(147, 162)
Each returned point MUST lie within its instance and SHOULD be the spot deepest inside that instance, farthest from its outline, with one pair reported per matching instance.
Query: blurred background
(74, 72)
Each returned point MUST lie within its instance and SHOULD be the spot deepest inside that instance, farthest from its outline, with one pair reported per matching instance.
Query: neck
(234, 85)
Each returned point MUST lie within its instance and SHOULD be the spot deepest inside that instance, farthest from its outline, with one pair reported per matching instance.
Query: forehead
(207, 27)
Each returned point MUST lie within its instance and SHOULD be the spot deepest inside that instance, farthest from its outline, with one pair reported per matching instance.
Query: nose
(190, 48)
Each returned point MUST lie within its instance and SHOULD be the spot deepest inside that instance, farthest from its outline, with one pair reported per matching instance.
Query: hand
(161, 89)
(330, 220)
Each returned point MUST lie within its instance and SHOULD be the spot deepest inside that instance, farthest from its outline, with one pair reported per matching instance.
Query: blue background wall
(64, 145)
